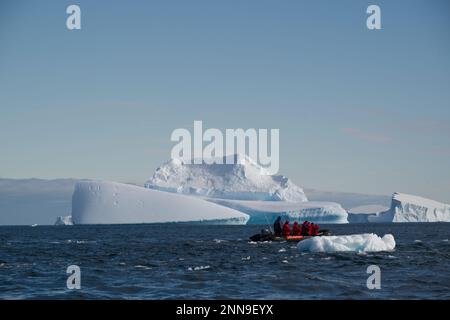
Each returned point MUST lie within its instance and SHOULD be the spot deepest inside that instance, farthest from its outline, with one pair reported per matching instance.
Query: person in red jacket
(296, 229)
(313, 229)
(286, 229)
(316, 229)
(305, 228)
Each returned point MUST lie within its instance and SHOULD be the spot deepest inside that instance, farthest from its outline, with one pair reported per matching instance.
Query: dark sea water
(173, 261)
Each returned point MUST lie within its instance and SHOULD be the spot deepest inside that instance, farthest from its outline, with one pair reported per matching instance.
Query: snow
(243, 180)
(104, 202)
(368, 242)
(263, 212)
(410, 208)
(64, 221)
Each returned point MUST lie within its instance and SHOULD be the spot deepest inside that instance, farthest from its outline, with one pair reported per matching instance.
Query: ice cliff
(104, 202)
(409, 208)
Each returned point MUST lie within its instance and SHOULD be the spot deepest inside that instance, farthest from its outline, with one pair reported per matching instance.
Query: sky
(358, 110)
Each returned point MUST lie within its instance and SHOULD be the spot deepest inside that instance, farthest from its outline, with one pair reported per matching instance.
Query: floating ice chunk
(368, 242)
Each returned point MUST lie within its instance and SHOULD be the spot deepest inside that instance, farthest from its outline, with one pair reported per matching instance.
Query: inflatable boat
(268, 236)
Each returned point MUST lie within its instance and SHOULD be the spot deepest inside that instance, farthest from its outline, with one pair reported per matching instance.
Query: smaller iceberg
(368, 242)
(410, 208)
(64, 221)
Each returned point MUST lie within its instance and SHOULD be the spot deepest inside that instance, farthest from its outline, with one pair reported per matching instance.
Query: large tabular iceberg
(263, 212)
(368, 242)
(409, 208)
(243, 180)
(103, 202)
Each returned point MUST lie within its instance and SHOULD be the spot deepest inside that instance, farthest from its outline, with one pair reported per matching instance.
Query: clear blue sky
(358, 110)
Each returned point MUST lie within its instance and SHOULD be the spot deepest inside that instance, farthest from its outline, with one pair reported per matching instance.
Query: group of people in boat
(306, 229)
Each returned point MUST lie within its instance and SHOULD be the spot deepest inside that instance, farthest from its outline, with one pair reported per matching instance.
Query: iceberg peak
(232, 177)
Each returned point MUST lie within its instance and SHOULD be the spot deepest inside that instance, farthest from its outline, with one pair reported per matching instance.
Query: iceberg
(64, 221)
(237, 193)
(368, 242)
(410, 208)
(350, 200)
(361, 214)
(105, 202)
(242, 180)
(265, 212)
(368, 209)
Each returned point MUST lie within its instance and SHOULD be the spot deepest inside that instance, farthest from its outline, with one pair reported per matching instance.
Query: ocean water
(173, 261)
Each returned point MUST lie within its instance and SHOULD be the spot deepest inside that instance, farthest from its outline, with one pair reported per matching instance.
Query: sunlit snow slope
(243, 180)
(104, 202)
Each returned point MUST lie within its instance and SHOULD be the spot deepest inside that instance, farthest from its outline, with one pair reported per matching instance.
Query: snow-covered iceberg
(263, 212)
(409, 208)
(64, 221)
(242, 180)
(104, 202)
(368, 242)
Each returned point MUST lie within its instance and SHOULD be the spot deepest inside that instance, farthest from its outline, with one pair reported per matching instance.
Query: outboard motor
(264, 235)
